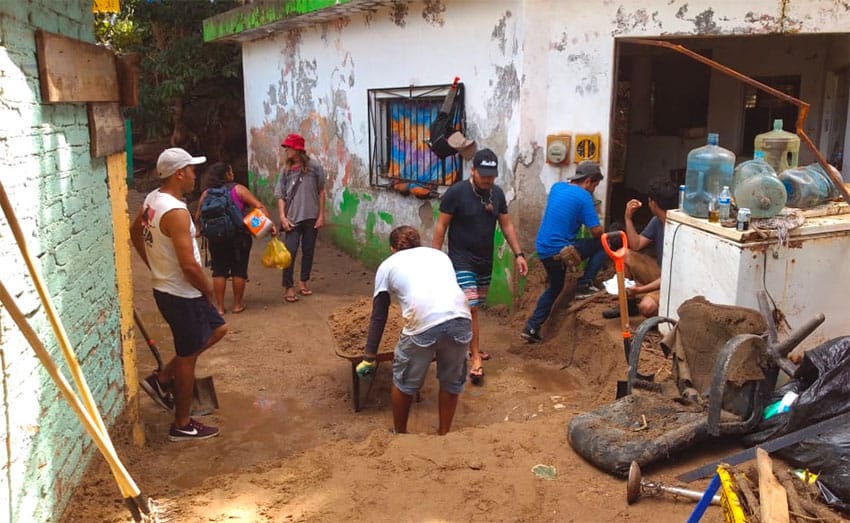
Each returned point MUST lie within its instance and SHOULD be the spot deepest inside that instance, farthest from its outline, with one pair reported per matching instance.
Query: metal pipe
(638, 486)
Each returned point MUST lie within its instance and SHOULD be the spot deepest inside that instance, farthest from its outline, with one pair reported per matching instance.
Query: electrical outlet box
(558, 149)
(588, 147)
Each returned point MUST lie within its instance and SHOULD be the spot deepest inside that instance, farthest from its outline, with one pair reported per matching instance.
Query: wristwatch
(520, 253)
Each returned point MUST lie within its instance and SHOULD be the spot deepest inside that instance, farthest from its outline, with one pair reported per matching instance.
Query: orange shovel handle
(620, 253)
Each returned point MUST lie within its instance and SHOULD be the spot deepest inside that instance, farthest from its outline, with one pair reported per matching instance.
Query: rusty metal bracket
(801, 118)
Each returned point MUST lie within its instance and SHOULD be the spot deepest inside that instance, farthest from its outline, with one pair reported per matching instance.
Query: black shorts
(230, 257)
(192, 320)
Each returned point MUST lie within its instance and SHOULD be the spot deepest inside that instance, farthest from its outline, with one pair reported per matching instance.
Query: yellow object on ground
(729, 501)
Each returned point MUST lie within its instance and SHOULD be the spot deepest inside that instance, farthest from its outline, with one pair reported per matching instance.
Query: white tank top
(166, 274)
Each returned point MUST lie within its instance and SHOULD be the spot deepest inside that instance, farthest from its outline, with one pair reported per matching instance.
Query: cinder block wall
(60, 195)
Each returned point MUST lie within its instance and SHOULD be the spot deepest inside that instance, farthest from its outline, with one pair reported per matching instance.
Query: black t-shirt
(473, 225)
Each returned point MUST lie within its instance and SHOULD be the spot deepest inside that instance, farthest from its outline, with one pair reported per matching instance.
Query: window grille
(399, 158)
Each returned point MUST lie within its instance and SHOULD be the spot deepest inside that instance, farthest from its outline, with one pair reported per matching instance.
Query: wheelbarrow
(355, 378)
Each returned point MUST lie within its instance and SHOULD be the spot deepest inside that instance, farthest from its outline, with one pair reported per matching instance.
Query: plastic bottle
(781, 148)
(758, 188)
(807, 186)
(724, 203)
(710, 167)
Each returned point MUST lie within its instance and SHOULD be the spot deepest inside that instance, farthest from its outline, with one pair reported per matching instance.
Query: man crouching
(437, 325)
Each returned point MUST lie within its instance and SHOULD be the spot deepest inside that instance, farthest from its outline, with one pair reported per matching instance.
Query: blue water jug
(710, 167)
(808, 186)
(758, 189)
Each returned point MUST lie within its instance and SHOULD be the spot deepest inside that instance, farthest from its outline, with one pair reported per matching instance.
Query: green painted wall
(61, 200)
(253, 16)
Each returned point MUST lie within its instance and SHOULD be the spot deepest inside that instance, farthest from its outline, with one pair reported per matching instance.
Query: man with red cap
(300, 193)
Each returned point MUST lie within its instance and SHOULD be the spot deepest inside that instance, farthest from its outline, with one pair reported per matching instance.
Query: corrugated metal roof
(261, 19)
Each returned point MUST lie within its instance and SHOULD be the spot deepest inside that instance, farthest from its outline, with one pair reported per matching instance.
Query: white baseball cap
(173, 159)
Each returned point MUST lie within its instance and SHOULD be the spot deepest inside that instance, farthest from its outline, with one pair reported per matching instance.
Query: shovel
(204, 399)
(619, 265)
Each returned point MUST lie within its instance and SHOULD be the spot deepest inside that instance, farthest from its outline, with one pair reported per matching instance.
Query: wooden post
(772, 496)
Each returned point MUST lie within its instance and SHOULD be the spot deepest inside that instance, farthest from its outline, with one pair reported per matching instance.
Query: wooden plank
(128, 78)
(106, 128)
(74, 71)
(772, 497)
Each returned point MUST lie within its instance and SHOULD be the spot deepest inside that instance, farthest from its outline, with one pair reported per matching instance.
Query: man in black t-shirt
(470, 210)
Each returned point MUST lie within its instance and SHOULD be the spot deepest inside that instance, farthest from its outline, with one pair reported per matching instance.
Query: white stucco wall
(530, 68)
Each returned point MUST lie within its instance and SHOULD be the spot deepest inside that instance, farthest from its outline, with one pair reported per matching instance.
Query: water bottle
(781, 149)
(808, 186)
(710, 167)
(724, 203)
(758, 189)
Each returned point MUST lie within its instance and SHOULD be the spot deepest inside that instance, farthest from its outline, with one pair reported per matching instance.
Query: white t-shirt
(166, 274)
(423, 280)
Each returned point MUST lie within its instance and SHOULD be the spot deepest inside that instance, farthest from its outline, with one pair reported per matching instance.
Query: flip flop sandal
(305, 292)
(476, 376)
(237, 311)
(290, 299)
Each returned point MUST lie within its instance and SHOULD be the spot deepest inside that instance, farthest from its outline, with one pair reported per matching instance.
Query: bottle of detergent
(808, 186)
(709, 168)
(758, 189)
(781, 148)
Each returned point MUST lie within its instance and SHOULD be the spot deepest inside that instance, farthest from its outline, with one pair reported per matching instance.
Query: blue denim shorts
(192, 321)
(448, 342)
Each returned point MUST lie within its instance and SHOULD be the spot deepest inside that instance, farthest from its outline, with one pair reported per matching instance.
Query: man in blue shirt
(569, 206)
(644, 269)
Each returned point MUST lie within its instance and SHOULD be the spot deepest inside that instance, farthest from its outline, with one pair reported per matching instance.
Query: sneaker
(194, 430)
(586, 290)
(531, 335)
(157, 392)
(614, 312)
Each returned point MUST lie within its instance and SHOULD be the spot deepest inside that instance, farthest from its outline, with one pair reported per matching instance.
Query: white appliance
(809, 275)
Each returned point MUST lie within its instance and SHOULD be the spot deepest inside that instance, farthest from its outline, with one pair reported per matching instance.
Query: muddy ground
(292, 449)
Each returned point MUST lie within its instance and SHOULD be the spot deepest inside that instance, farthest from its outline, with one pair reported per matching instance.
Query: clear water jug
(710, 167)
(758, 189)
(781, 148)
(808, 186)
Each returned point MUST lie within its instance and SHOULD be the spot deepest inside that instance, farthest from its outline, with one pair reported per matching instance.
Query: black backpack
(449, 116)
(220, 218)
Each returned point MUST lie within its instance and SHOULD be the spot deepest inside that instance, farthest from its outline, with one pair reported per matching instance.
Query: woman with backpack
(227, 236)
(300, 193)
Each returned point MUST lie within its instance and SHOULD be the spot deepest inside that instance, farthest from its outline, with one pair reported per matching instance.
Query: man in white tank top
(163, 234)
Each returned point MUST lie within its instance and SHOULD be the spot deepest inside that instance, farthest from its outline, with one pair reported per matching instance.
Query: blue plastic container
(710, 167)
(808, 186)
(758, 189)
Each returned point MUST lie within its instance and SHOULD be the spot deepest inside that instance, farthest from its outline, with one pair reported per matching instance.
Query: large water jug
(781, 148)
(710, 167)
(758, 189)
(808, 186)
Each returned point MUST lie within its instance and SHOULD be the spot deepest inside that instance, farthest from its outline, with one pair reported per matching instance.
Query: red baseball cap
(294, 141)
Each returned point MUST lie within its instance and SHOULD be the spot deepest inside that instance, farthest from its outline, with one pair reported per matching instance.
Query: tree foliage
(177, 67)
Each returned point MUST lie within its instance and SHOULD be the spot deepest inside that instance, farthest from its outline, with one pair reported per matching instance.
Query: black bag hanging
(444, 125)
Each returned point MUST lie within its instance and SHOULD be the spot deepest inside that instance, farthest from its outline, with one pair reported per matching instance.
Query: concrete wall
(60, 195)
(531, 68)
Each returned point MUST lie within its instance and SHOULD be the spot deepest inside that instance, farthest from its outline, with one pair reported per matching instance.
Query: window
(761, 108)
(399, 157)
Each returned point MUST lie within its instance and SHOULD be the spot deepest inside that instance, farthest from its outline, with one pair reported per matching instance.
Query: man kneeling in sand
(438, 325)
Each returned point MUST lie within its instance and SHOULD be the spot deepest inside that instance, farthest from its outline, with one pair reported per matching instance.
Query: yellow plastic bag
(276, 255)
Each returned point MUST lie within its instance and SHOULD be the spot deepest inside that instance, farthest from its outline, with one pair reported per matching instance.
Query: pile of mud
(350, 324)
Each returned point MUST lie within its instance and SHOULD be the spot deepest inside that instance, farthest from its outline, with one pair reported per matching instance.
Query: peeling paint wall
(530, 67)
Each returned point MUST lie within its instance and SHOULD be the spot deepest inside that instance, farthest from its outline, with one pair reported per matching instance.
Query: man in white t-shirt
(163, 234)
(438, 325)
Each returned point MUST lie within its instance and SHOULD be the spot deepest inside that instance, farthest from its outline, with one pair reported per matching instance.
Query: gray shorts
(448, 342)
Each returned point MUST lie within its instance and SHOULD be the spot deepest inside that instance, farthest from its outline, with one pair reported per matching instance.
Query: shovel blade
(204, 399)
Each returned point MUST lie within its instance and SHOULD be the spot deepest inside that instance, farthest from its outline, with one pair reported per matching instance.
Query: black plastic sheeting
(823, 385)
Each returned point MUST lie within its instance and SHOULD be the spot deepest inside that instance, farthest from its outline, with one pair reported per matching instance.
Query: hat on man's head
(486, 163)
(172, 160)
(462, 144)
(585, 169)
(294, 141)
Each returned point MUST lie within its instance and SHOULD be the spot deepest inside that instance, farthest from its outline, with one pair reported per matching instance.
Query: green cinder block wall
(60, 196)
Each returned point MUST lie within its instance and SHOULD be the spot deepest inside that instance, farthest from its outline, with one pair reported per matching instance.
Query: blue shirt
(567, 209)
(654, 231)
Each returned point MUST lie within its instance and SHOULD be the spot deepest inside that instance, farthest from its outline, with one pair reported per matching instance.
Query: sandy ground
(292, 449)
